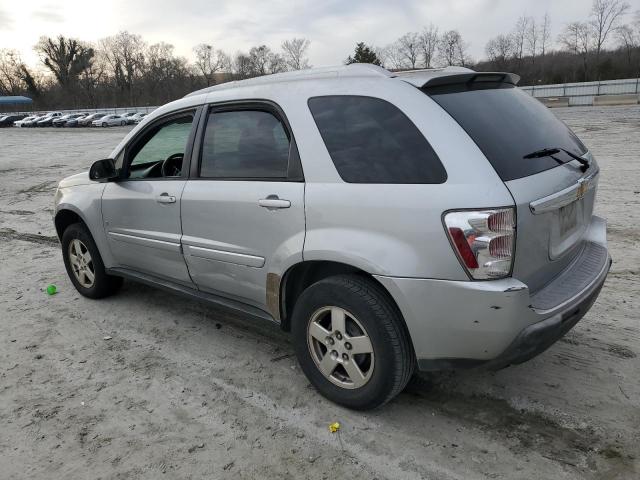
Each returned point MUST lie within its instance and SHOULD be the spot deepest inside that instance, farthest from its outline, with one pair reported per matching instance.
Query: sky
(333, 26)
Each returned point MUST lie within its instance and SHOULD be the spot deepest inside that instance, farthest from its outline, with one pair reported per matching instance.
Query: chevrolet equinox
(430, 219)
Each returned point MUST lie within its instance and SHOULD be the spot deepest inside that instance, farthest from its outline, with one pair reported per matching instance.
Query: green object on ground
(51, 289)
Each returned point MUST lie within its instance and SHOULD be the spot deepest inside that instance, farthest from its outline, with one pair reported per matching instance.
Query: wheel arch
(65, 217)
(303, 274)
(68, 215)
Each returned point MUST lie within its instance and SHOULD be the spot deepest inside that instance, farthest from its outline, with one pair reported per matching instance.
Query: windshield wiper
(550, 152)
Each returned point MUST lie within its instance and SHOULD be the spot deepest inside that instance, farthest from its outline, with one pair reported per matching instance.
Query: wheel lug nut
(338, 335)
(334, 354)
(330, 341)
(347, 345)
(345, 356)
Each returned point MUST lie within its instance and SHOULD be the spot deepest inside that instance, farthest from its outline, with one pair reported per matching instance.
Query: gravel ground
(181, 390)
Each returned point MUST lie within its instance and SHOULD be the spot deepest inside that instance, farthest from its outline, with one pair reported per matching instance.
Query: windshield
(507, 124)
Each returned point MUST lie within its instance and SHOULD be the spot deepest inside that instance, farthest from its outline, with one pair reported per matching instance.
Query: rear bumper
(494, 324)
(536, 338)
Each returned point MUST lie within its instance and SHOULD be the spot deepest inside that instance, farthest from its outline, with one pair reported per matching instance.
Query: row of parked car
(58, 119)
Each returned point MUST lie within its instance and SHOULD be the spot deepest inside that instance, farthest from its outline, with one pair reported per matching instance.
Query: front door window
(161, 152)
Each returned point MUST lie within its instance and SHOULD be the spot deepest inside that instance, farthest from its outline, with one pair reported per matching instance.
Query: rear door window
(244, 144)
(507, 124)
(372, 141)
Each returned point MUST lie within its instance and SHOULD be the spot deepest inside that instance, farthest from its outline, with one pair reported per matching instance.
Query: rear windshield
(507, 124)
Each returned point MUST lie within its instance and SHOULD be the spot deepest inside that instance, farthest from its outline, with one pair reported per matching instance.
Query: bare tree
(463, 56)
(577, 38)
(391, 56)
(382, 53)
(159, 61)
(428, 44)
(92, 76)
(545, 34)
(500, 49)
(629, 40)
(544, 39)
(447, 47)
(210, 61)
(242, 65)
(569, 38)
(452, 49)
(605, 16)
(532, 38)
(65, 57)
(259, 58)
(408, 47)
(260, 61)
(519, 36)
(163, 71)
(294, 52)
(276, 63)
(124, 53)
(10, 79)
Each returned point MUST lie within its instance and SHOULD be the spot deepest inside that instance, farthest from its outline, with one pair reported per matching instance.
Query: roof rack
(419, 78)
(352, 70)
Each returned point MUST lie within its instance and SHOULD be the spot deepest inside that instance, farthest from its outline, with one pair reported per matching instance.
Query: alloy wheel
(81, 263)
(340, 347)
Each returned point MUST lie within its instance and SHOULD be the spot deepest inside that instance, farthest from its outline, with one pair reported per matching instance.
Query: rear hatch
(552, 190)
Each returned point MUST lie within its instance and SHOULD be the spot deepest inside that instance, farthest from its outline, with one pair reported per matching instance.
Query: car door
(141, 211)
(243, 206)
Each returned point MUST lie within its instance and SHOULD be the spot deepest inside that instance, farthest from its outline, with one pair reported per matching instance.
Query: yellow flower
(334, 427)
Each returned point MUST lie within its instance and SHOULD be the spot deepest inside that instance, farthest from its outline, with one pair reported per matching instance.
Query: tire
(104, 124)
(122, 124)
(368, 310)
(102, 285)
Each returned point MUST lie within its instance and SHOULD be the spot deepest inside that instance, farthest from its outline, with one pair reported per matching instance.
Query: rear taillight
(484, 240)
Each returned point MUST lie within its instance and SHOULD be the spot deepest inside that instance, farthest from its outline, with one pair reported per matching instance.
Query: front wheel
(84, 264)
(351, 341)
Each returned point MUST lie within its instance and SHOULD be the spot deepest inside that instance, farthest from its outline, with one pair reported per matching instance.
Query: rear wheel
(351, 341)
(104, 124)
(84, 264)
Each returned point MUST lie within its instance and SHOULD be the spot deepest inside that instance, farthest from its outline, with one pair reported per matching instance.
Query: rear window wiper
(550, 152)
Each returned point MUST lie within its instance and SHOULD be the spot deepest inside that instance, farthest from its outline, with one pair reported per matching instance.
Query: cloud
(5, 20)
(48, 14)
(333, 26)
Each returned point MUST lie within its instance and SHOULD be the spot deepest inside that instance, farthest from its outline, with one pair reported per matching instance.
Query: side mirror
(103, 170)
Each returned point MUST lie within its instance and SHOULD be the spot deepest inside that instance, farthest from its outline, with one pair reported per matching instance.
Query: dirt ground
(181, 390)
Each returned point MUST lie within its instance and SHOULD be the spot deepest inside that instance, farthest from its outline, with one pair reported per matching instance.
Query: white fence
(582, 93)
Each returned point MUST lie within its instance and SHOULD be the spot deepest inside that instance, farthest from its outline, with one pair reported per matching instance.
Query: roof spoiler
(428, 79)
(493, 77)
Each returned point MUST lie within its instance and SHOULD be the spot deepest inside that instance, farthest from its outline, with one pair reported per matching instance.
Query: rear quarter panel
(386, 229)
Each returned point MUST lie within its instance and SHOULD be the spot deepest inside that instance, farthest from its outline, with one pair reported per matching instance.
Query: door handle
(165, 198)
(273, 202)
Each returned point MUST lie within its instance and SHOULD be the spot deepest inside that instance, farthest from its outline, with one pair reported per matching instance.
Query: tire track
(11, 234)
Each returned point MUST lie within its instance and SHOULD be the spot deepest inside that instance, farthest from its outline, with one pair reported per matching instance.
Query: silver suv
(433, 219)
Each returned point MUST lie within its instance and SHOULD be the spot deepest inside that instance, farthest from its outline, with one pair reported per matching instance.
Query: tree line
(125, 70)
(604, 46)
